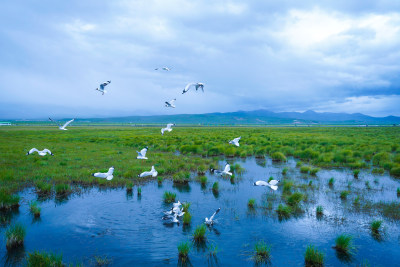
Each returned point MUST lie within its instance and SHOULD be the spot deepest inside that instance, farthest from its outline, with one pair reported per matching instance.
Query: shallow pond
(129, 231)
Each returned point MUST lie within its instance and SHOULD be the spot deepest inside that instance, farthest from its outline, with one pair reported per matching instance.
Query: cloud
(291, 55)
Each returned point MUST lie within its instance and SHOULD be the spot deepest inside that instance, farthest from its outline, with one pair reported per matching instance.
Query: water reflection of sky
(129, 230)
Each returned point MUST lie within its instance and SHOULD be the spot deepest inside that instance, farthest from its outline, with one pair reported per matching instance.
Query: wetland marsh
(333, 181)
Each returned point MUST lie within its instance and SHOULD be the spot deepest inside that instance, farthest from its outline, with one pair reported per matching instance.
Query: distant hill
(258, 117)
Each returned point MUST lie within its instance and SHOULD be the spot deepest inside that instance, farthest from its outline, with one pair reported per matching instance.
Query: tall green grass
(15, 235)
(313, 257)
(44, 259)
(262, 252)
(199, 234)
(344, 243)
(169, 197)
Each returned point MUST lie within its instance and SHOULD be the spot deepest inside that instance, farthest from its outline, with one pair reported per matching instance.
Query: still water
(129, 231)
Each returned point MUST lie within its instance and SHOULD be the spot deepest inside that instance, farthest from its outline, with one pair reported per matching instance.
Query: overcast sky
(288, 55)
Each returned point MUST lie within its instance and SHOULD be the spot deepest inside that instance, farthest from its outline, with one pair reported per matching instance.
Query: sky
(288, 55)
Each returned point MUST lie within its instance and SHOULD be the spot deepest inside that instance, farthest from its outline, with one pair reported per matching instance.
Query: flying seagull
(153, 173)
(211, 220)
(272, 184)
(163, 68)
(169, 128)
(225, 171)
(108, 175)
(235, 141)
(197, 86)
(62, 127)
(102, 85)
(142, 153)
(170, 104)
(41, 153)
(175, 210)
(177, 204)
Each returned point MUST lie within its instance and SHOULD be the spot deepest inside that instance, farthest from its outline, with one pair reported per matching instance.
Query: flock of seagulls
(176, 210)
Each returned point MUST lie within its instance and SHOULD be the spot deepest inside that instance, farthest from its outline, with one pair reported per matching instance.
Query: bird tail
(274, 187)
(229, 173)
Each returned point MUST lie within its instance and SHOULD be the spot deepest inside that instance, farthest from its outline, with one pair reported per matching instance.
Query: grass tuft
(43, 259)
(187, 218)
(169, 197)
(262, 252)
(183, 251)
(344, 194)
(251, 203)
(215, 187)
(34, 209)
(376, 226)
(199, 234)
(344, 243)
(313, 257)
(319, 211)
(15, 235)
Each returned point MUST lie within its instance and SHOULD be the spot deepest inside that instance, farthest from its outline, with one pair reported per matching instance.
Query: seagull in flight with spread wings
(62, 127)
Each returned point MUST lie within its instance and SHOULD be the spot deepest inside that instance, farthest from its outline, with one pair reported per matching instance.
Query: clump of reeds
(356, 173)
(129, 187)
(159, 180)
(314, 171)
(8, 201)
(203, 180)
(398, 191)
(376, 226)
(278, 156)
(295, 199)
(139, 191)
(287, 187)
(305, 169)
(319, 211)
(344, 243)
(356, 201)
(331, 181)
(34, 209)
(284, 211)
(169, 197)
(43, 188)
(378, 171)
(367, 185)
(201, 169)
(262, 252)
(37, 258)
(62, 189)
(215, 187)
(251, 203)
(187, 218)
(344, 194)
(15, 235)
(313, 257)
(183, 251)
(284, 171)
(185, 206)
(199, 234)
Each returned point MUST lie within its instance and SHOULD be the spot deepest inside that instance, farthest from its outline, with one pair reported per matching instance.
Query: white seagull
(153, 173)
(175, 210)
(108, 175)
(177, 204)
(225, 171)
(211, 220)
(170, 104)
(101, 89)
(163, 68)
(41, 153)
(272, 184)
(142, 153)
(197, 86)
(168, 128)
(235, 141)
(62, 127)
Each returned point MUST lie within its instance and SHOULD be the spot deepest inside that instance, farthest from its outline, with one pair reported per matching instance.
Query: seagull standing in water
(235, 141)
(62, 127)
(102, 86)
(153, 173)
(41, 153)
(225, 171)
(142, 153)
(211, 220)
(197, 86)
(168, 128)
(170, 104)
(272, 184)
(108, 175)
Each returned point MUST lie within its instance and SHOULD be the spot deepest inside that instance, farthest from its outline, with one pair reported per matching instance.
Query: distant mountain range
(258, 117)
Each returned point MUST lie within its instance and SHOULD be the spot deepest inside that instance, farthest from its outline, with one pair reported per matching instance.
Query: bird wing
(100, 175)
(227, 168)
(162, 130)
(187, 87)
(169, 125)
(143, 152)
(68, 122)
(33, 150)
(261, 183)
(273, 182)
(236, 139)
(274, 187)
(215, 213)
(172, 101)
(167, 103)
(46, 151)
(54, 122)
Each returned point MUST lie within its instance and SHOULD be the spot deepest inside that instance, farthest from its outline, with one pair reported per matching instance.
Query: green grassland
(81, 151)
